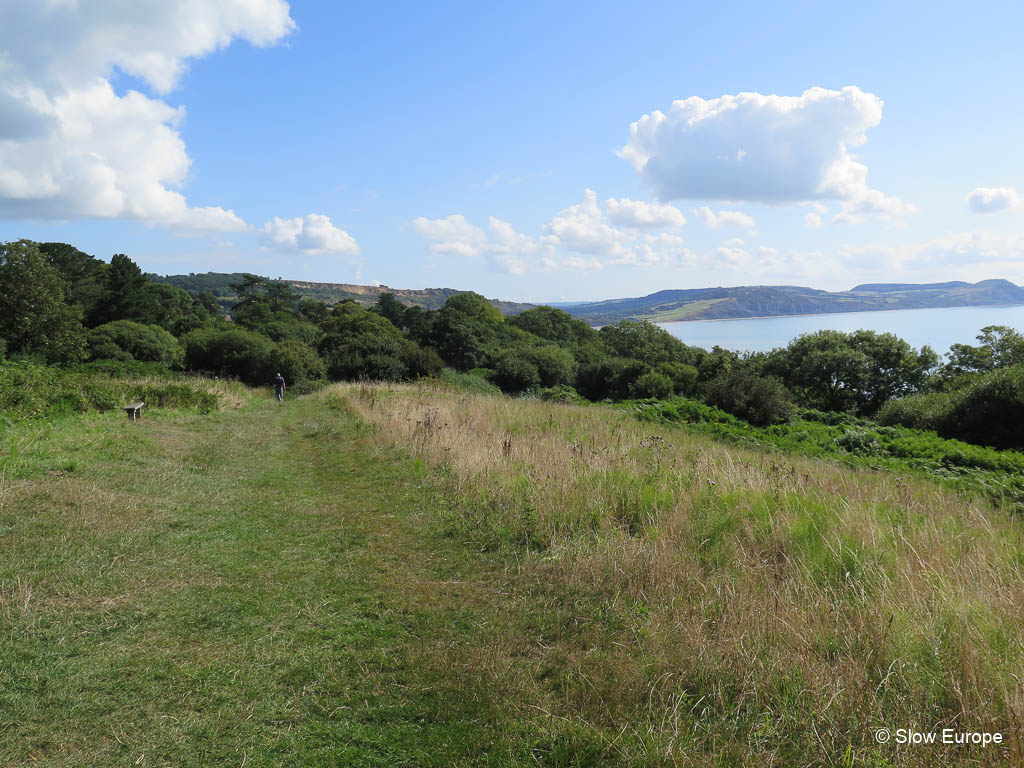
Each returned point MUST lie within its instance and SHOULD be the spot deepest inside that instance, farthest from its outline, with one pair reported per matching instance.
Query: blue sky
(490, 148)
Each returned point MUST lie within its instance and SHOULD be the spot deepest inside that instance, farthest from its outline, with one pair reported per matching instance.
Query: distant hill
(219, 284)
(774, 300)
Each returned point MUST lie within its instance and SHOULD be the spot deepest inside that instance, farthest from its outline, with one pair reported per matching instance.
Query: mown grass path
(255, 587)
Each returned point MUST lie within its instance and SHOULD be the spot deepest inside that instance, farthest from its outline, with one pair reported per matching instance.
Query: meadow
(420, 575)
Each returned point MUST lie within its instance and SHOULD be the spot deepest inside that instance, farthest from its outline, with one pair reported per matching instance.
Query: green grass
(284, 585)
(206, 590)
(999, 474)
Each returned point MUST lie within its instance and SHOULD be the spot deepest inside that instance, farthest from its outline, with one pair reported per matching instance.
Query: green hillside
(220, 285)
(769, 301)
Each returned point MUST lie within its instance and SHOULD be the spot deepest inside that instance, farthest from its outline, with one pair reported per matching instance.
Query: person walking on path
(279, 387)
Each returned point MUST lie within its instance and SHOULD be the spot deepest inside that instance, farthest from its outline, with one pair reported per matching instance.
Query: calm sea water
(936, 327)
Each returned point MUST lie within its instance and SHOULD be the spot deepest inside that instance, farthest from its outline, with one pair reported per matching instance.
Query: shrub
(861, 442)
(652, 384)
(987, 409)
(761, 401)
(923, 411)
(560, 394)
(297, 362)
(128, 340)
(233, 352)
(684, 377)
(609, 378)
(471, 381)
(421, 362)
(360, 344)
(514, 372)
(554, 364)
(990, 411)
(29, 390)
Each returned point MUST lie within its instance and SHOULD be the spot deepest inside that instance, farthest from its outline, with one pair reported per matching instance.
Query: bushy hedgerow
(360, 344)
(475, 381)
(515, 372)
(560, 394)
(232, 351)
(609, 378)
(421, 362)
(652, 384)
(29, 390)
(760, 401)
(987, 410)
(923, 411)
(297, 362)
(137, 341)
(990, 411)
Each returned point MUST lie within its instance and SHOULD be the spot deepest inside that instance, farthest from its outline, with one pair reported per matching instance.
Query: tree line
(61, 306)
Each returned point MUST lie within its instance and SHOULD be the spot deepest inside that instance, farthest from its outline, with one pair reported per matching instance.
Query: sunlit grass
(790, 597)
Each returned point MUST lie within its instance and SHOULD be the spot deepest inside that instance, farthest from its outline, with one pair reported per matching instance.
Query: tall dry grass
(760, 608)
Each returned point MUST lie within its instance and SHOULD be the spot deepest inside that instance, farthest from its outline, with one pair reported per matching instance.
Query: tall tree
(123, 292)
(34, 317)
(84, 274)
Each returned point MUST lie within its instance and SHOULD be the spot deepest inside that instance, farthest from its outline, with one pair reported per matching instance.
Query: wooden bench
(134, 410)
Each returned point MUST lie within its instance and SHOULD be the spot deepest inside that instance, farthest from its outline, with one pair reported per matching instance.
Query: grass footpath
(419, 576)
(251, 587)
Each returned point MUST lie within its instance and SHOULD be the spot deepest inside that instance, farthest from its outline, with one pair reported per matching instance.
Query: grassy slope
(482, 581)
(228, 589)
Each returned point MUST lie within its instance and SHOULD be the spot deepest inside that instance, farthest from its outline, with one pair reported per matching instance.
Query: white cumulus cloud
(452, 235)
(762, 148)
(636, 213)
(582, 228)
(723, 218)
(70, 146)
(578, 238)
(963, 252)
(993, 199)
(502, 248)
(313, 234)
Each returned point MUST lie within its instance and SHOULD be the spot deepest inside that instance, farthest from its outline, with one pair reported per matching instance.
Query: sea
(937, 328)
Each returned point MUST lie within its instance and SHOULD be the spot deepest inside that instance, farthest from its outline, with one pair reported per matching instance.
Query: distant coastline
(837, 312)
(766, 301)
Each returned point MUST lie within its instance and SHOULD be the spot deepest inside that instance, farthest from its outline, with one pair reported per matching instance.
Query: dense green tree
(210, 304)
(756, 399)
(857, 372)
(999, 347)
(125, 339)
(563, 329)
(123, 292)
(230, 351)
(297, 362)
(652, 384)
(718, 361)
(515, 372)
(312, 311)
(421, 362)
(34, 318)
(419, 325)
(648, 343)
(358, 344)
(390, 307)
(555, 365)
(554, 325)
(683, 377)
(609, 378)
(173, 309)
(465, 330)
(85, 275)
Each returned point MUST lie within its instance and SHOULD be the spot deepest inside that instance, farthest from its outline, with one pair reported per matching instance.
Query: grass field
(415, 576)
